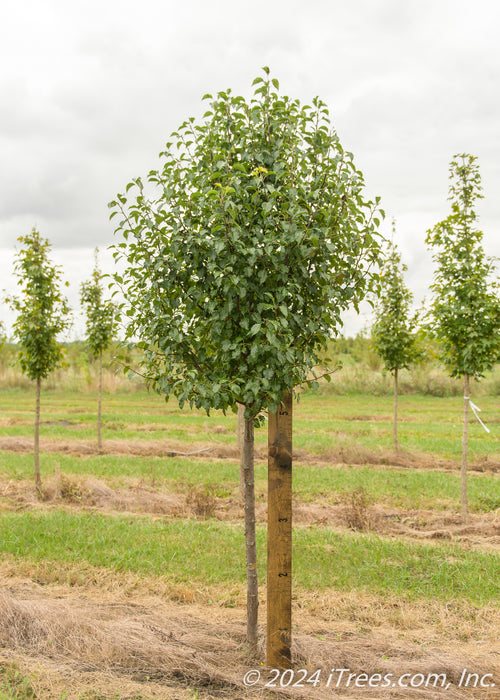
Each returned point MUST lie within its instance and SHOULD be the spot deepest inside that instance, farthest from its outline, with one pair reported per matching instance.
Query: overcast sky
(90, 91)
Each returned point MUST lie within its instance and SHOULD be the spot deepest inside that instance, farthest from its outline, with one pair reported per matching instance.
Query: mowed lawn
(322, 422)
(390, 486)
(212, 551)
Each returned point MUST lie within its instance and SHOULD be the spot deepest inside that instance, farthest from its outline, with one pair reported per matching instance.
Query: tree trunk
(99, 404)
(38, 480)
(465, 436)
(279, 537)
(247, 463)
(395, 425)
(240, 431)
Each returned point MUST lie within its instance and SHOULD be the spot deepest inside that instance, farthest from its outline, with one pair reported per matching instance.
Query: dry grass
(73, 491)
(202, 501)
(92, 492)
(142, 448)
(109, 638)
(119, 638)
(89, 492)
(357, 455)
(346, 612)
(357, 513)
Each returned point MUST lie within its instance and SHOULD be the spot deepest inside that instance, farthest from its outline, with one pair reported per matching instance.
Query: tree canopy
(243, 250)
(465, 311)
(393, 332)
(42, 309)
(100, 313)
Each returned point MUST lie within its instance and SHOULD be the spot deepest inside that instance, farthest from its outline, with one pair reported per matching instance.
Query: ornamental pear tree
(101, 320)
(43, 313)
(465, 310)
(242, 250)
(393, 331)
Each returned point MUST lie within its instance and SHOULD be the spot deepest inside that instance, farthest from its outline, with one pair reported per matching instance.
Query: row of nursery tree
(463, 319)
(464, 315)
(43, 314)
(257, 237)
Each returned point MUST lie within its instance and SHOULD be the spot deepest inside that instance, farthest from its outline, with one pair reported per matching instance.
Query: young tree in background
(238, 272)
(393, 332)
(42, 315)
(465, 311)
(100, 325)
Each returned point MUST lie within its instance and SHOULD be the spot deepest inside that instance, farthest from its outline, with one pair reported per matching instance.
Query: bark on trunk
(395, 426)
(99, 405)
(38, 480)
(465, 506)
(247, 462)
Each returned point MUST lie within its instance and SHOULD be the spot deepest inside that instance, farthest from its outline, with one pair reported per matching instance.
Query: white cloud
(91, 92)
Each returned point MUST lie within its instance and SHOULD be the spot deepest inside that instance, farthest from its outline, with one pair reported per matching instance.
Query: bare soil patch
(81, 638)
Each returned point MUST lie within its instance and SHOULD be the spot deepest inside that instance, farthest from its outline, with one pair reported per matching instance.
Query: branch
(170, 453)
(315, 379)
(131, 369)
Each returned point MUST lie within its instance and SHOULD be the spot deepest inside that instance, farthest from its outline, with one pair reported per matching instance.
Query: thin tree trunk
(99, 405)
(395, 426)
(240, 430)
(38, 480)
(247, 462)
(465, 507)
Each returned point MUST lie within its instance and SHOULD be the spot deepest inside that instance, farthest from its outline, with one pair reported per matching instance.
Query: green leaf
(234, 274)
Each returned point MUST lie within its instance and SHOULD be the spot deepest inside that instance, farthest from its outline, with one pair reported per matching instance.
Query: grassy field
(431, 425)
(212, 552)
(378, 542)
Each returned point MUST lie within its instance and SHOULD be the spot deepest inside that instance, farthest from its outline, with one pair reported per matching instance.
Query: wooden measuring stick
(279, 537)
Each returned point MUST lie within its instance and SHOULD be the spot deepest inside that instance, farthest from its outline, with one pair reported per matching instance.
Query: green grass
(14, 685)
(174, 472)
(211, 552)
(430, 425)
(400, 488)
(322, 423)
